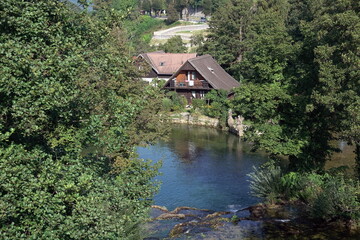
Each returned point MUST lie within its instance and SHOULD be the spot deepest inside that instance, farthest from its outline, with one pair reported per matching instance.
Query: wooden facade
(190, 84)
(197, 76)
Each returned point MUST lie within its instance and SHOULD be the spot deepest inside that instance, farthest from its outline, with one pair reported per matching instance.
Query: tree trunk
(357, 158)
(240, 57)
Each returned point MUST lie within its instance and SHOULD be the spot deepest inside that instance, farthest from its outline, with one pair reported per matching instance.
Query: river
(203, 168)
(206, 168)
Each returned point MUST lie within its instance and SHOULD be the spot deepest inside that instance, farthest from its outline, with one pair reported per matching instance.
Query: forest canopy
(71, 112)
(298, 64)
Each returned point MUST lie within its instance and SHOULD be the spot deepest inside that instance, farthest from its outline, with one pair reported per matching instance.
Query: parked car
(203, 20)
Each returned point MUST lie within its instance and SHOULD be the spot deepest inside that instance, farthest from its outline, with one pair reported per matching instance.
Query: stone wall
(235, 125)
(194, 119)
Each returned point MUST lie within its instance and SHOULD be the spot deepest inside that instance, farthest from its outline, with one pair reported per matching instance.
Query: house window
(193, 93)
(193, 75)
(202, 94)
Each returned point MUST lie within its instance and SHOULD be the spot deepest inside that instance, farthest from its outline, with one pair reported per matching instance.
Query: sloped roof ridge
(165, 53)
(200, 57)
(152, 63)
(219, 82)
(173, 61)
(149, 60)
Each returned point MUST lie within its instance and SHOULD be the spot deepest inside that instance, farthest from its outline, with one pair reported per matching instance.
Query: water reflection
(346, 157)
(203, 168)
(206, 169)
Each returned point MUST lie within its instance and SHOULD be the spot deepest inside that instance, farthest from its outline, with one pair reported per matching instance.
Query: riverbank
(191, 146)
(234, 125)
(279, 221)
(194, 119)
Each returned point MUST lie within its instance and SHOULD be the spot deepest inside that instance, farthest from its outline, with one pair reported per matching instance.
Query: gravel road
(168, 33)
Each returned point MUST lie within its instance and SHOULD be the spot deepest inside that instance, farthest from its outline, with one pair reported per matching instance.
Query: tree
(158, 5)
(296, 56)
(267, 45)
(71, 112)
(174, 45)
(331, 35)
(153, 5)
(180, 5)
(124, 5)
(172, 14)
(228, 30)
(197, 39)
(211, 6)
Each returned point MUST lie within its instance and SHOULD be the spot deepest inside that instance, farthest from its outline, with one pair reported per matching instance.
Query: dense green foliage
(297, 61)
(174, 45)
(327, 196)
(174, 102)
(217, 105)
(298, 65)
(71, 112)
(139, 32)
(172, 14)
(138, 29)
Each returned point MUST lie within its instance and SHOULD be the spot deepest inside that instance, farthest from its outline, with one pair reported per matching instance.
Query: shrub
(180, 103)
(290, 184)
(265, 182)
(167, 104)
(339, 197)
(175, 44)
(198, 103)
(175, 102)
(327, 196)
(310, 185)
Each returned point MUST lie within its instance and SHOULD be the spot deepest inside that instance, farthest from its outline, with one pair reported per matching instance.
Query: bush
(339, 197)
(218, 106)
(180, 103)
(310, 185)
(198, 104)
(175, 44)
(265, 182)
(167, 104)
(174, 102)
(327, 196)
(290, 184)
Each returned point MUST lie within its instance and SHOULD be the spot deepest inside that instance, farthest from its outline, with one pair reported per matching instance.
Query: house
(162, 65)
(199, 75)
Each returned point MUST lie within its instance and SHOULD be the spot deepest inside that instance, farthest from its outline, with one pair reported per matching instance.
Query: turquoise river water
(203, 168)
(206, 168)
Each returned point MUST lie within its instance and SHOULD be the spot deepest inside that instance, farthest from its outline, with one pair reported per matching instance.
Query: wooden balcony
(190, 85)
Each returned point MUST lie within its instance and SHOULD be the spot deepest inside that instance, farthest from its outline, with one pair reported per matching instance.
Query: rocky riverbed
(256, 222)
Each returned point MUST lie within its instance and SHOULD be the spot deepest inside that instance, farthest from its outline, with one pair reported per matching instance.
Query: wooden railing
(196, 84)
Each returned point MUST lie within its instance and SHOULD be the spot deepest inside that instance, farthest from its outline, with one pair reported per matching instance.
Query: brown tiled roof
(213, 73)
(166, 63)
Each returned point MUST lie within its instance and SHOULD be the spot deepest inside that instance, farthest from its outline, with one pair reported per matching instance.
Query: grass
(176, 24)
(155, 42)
(185, 32)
